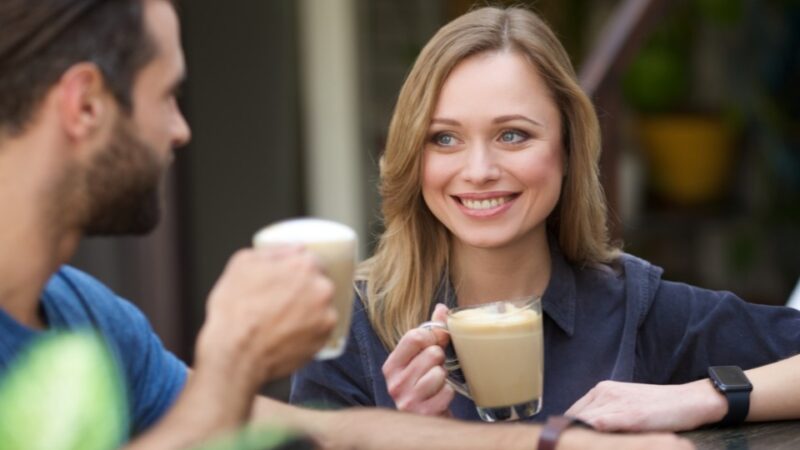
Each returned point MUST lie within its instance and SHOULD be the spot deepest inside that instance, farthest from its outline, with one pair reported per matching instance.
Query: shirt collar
(558, 301)
(445, 293)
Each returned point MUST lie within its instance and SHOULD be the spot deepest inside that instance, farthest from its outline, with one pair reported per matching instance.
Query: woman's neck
(482, 275)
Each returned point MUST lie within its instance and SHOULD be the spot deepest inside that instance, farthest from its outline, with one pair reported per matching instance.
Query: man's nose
(182, 134)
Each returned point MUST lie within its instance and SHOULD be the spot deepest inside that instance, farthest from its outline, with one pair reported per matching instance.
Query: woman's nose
(480, 166)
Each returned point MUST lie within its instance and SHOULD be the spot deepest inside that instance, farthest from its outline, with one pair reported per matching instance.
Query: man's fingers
(274, 251)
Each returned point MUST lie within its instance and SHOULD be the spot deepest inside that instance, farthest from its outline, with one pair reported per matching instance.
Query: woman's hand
(618, 406)
(414, 371)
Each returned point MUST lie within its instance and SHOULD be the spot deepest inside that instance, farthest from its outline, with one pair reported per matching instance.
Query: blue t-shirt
(73, 300)
(599, 324)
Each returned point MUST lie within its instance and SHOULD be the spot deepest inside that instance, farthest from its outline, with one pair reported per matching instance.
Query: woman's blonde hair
(412, 254)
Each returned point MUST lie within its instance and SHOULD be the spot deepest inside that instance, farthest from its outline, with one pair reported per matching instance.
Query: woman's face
(492, 163)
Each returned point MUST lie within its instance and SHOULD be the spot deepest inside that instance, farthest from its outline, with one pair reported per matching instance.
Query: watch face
(729, 378)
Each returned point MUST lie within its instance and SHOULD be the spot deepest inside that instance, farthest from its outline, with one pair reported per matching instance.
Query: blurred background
(290, 100)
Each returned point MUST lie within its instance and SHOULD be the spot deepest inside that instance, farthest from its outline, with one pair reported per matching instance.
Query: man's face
(124, 177)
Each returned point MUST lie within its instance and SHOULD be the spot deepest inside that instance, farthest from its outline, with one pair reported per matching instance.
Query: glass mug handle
(450, 364)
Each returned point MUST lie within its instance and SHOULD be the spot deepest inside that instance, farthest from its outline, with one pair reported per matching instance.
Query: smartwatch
(731, 382)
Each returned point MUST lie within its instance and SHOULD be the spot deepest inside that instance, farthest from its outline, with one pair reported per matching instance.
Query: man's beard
(123, 186)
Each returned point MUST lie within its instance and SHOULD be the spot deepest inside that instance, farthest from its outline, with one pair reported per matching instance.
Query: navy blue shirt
(623, 324)
(72, 300)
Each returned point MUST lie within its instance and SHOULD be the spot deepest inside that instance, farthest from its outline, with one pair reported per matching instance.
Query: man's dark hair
(42, 39)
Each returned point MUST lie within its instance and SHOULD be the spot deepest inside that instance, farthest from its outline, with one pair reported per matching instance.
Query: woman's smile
(485, 205)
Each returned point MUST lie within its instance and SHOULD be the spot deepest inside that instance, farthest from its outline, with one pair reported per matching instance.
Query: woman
(490, 191)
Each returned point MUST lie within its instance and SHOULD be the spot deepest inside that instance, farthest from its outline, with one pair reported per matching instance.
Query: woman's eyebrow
(511, 117)
(445, 121)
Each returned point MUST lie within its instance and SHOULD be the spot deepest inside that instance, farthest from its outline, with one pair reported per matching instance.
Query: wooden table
(757, 436)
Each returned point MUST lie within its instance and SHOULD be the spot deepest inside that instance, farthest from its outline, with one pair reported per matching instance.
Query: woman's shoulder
(640, 272)
(628, 283)
(625, 271)
(360, 323)
(644, 283)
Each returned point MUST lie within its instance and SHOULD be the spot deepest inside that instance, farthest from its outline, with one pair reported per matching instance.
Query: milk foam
(495, 316)
(304, 230)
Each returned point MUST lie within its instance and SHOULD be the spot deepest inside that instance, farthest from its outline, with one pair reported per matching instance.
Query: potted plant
(688, 146)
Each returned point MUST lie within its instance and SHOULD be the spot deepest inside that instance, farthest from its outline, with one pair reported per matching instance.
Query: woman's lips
(485, 205)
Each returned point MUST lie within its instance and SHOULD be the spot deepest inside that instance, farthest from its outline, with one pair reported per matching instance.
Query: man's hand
(576, 438)
(617, 406)
(269, 313)
(370, 428)
(414, 373)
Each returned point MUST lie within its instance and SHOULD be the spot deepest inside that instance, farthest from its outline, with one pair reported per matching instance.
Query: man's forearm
(380, 428)
(390, 429)
(370, 428)
(204, 409)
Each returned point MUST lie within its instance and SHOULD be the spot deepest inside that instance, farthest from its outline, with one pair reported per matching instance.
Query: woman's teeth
(487, 203)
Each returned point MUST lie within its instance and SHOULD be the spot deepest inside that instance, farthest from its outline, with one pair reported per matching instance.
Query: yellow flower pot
(689, 157)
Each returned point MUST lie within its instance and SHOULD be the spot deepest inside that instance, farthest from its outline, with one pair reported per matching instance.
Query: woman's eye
(444, 139)
(513, 136)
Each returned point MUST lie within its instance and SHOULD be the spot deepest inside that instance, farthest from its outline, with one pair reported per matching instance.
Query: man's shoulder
(70, 281)
(75, 297)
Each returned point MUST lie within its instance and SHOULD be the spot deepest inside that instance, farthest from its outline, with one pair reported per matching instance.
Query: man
(88, 122)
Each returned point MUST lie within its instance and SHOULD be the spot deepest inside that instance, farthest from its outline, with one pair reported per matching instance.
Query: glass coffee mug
(335, 245)
(500, 351)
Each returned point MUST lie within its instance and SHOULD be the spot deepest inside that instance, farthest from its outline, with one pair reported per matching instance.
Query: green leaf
(657, 80)
(64, 393)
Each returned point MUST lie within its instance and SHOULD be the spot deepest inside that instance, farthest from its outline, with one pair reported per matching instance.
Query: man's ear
(82, 100)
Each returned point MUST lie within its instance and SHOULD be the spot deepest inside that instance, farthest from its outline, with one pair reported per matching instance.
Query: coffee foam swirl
(502, 315)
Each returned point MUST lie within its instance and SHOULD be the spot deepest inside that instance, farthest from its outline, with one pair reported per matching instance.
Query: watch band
(552, 429)
(738, 407)
(732, 382)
